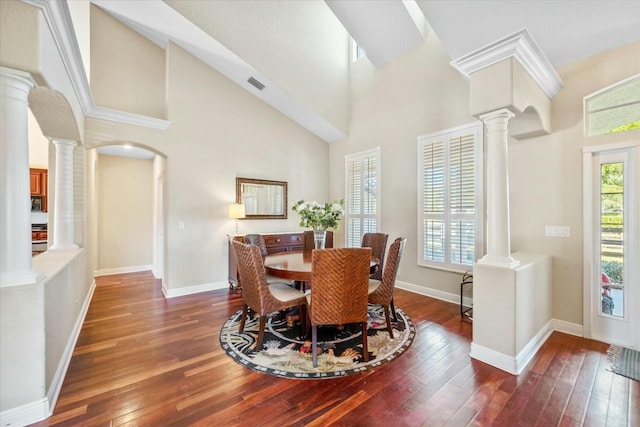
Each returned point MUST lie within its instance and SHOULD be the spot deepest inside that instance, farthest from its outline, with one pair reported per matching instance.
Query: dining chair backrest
(257, 240)
(255, 289)
(384, 293)
(309, 241)
(378, 244)
(339, 282)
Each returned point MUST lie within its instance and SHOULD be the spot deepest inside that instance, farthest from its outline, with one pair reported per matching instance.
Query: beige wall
(420, 93)
(299, 45)
(546, 174)
(219, 132)
(127, 71)
(125, 209)
(416, 94)
(38, 145)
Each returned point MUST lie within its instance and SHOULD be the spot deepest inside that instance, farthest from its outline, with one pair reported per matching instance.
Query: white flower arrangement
(319, 216)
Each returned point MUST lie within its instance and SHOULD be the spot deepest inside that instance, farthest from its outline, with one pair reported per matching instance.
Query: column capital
(67, 142)
(17, 75)
(503, 113)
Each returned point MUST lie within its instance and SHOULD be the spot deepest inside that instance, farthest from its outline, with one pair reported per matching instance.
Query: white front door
(612, 247)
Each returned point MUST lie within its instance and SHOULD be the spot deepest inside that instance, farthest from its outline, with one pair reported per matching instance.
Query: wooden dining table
(296, 265)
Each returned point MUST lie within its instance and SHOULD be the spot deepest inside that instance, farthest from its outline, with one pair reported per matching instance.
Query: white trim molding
(188, 290)
(122, 270)
(65, 360)
(58, 19)
(26, 414)
(520, 46)
(512, 365)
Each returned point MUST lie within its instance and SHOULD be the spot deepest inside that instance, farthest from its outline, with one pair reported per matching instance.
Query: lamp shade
(236, 211)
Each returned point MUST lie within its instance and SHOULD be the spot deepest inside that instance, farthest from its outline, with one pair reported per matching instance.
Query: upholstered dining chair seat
(283, 292)
(373, 285)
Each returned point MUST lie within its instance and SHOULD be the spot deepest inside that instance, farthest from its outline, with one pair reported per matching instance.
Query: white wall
(125, 212)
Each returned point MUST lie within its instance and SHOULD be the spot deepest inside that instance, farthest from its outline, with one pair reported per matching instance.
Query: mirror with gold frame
(262, 199)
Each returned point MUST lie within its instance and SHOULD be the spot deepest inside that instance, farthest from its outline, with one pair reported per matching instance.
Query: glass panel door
(612, 256)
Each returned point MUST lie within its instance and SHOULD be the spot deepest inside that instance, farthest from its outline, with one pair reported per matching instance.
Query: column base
(18, 278)
(499, 261)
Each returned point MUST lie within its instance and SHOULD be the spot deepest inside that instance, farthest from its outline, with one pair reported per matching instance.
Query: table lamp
(236, 211)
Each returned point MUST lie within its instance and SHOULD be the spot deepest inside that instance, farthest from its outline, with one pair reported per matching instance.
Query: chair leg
(314, 345)
(303, 318)
(263, 321)
(243, 319)
(393, 310)
(365, 347)
(386, 316)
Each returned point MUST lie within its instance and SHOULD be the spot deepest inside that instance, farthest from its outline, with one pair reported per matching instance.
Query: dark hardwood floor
(144, 360)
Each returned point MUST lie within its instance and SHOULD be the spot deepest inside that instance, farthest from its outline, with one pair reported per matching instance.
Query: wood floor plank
(143, 360)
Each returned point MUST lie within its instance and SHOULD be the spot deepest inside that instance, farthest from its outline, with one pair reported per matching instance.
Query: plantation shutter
(462, 199)
(433, 188)
(362, 179)
(450, 198)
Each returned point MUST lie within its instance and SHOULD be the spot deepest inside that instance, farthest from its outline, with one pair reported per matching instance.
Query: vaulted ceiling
(565, 31)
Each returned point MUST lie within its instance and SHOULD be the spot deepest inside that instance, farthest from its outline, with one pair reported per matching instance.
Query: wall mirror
(262, 199)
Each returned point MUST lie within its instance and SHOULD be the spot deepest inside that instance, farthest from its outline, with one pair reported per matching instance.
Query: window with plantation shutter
(450, 198)
(362, 176)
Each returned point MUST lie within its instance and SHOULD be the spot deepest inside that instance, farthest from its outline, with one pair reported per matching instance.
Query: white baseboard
(188, 290)
(433, 293)
(512, 365)
(26, 414)
(122, 270)
(63, 365)
(568, 327)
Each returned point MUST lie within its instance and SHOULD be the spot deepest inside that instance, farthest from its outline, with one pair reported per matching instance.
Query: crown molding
(520, 46)
(58, 19)
(128, 118)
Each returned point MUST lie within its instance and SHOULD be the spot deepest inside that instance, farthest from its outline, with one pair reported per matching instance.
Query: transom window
(450, 198)
(613, 109)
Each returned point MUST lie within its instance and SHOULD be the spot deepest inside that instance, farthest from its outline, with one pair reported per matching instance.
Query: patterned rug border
(228, 341)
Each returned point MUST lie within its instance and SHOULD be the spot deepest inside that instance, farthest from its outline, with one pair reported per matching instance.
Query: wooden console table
(275, 242)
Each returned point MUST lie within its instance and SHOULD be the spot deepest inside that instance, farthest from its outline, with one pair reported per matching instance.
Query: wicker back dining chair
(381, 291)
(309, 241)
(257, 240)
(258, 295)
(339, 281)
(378, 244)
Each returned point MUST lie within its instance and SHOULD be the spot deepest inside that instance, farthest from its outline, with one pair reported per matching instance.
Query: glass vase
(318, 237)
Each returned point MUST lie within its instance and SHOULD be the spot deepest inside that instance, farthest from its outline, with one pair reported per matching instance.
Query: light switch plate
(557, 231)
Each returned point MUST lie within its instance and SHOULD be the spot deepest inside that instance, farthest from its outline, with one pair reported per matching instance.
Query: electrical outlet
(180, 225)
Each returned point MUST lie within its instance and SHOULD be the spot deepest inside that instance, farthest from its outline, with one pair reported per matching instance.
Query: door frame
(589, 269)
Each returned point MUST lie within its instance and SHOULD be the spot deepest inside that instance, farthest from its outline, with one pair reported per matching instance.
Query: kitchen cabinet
(39, 181)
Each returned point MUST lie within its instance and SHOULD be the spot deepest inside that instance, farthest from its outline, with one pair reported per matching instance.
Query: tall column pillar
(63, 205)
(498, 223)
(15, 203)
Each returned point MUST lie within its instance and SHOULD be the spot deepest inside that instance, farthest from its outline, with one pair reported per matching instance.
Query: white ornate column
(498, 223)
(15, 204)
(63, 202)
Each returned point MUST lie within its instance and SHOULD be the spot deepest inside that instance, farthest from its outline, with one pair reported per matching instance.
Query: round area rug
(285, 354)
